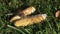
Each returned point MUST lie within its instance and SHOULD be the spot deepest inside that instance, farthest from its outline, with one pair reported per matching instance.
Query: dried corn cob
(30, 20)
(25, 12)
(29, 10)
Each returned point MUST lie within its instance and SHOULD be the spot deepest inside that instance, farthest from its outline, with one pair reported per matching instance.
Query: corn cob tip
(44, 16)
(15, 18)
(33, 9)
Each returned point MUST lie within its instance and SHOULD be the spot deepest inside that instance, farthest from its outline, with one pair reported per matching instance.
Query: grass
(50, 26)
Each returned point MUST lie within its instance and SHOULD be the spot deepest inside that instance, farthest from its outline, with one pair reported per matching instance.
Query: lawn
(49, 26)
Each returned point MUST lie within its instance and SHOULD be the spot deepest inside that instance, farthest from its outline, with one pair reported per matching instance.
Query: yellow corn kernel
(57, 13)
